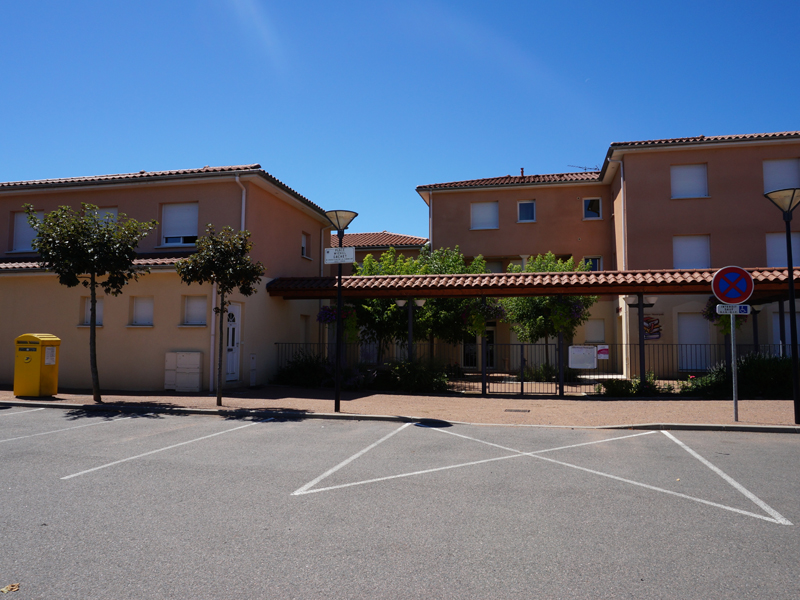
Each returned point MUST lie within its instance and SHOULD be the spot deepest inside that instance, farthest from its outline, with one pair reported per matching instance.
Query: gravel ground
(575, 411)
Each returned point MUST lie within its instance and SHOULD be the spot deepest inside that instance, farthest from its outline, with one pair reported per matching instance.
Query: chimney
(522, 171)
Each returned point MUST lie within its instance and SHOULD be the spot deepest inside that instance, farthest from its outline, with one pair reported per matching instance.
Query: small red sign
(732, 285)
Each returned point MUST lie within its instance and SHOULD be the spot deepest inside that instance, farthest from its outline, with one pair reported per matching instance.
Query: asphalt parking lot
(104, 505)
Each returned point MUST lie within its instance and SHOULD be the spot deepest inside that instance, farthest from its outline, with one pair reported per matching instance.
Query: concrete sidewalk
(576, 411)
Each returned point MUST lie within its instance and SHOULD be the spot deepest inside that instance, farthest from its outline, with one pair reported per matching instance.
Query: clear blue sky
(354, 104)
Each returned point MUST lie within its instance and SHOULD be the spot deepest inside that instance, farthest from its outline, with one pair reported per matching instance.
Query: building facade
(687, 203)
(159, 316)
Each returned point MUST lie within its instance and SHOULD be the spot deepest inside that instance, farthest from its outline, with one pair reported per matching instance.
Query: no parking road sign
(732, 285)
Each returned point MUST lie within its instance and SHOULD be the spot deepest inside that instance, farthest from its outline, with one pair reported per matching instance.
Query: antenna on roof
(594, 168)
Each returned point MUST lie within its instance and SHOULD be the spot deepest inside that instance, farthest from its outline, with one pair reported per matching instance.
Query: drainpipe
(244, 201)
(211, 378)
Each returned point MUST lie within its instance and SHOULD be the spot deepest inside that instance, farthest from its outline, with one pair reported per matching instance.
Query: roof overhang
(770, 284)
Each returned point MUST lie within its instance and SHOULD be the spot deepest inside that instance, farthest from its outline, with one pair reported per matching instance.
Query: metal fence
(534, 368)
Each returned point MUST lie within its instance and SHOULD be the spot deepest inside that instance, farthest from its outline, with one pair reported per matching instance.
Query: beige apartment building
(686, 203)
(159, 318)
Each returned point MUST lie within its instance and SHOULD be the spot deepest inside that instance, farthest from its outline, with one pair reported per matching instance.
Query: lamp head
(341, 218)
(400, 302)
(787, 199)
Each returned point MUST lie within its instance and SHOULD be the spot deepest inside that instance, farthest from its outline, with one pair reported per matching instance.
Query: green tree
(90, 249)
(453, 319)
(449, 319)
(222, 259)
(535, 317)
(381, 320)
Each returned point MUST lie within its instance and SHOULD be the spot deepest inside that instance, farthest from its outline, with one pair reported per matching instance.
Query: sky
(354, 104)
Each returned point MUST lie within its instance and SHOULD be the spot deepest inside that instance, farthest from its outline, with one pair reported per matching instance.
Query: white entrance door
(234, 318)
(693, 339)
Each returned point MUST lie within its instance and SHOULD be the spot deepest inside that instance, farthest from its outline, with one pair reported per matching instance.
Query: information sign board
(733, 309)
(582, 357)
(732, 285)
(335, 256)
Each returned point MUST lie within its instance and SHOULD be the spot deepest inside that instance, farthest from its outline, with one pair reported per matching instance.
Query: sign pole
(733, 370)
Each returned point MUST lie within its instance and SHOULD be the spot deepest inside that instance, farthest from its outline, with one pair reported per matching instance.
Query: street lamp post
(340, 220)
(787, 200)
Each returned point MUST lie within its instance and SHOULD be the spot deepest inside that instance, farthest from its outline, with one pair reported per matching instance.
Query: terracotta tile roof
(767, 282)
(516, 180)
(123, 178)
(703, 139)
(378, 240)
(29, 264)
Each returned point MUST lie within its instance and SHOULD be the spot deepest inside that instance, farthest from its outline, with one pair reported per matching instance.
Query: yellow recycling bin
(36, 365)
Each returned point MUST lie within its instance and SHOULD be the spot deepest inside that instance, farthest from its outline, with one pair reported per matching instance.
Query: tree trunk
(93, 339)
(221, 347)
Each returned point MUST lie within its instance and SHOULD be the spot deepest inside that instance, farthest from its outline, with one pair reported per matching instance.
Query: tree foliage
(222, 259)
(535, 317)
(87, 248)
(448, 319)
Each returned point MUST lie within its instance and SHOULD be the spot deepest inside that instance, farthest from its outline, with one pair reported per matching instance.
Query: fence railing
(534, 368)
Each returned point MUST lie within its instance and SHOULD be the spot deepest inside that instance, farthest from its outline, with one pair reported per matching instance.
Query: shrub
(622, 388)
(306, 369)
(413, 377)
(548, 372)
(758, 376)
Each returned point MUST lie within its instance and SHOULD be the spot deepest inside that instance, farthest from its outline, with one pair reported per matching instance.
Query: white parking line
(22, 412)
(750, 496)
(24, 437)
(775, 516)
(303, 489)
(205, 437)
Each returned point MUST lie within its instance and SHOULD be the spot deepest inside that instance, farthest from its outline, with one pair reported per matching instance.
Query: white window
(595, 330)
(87, 311)
(23, 232)
(595, 262)
(112, 211)
(494, 266)
(194, 310)
(781, 174)
(776, 250)
(689, 181)
(592, 209)
(179, 224)
(691, 252)
(526, 211)
(142, 311)
(304, 245)
(485, 215)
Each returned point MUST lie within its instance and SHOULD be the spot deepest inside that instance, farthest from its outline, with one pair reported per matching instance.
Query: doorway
(232, 341)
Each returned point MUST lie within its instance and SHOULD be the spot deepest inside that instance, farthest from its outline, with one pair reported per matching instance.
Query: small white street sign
(733, 309)
(335, 256)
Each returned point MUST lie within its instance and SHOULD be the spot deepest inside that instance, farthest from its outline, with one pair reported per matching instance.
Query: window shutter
(595, 330)
(142, 311)
(485, 215)
(195, 310)
(689, 181)
(691, 252)
(179, 222)
(87, 311)
(781, 175)
(23, 232)
(776, 250)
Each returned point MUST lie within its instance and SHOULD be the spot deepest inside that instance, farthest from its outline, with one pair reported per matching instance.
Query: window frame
(21, 215)
(673, 169)
(696, 236)
(86, 303)
(586, 331)
(305, 245)
(597, 257)
(519, 205)
(192, 239)
(599, 212)
(472, 216)
(185, 316)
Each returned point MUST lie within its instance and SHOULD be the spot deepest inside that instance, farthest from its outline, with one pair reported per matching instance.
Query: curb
(295, 415)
